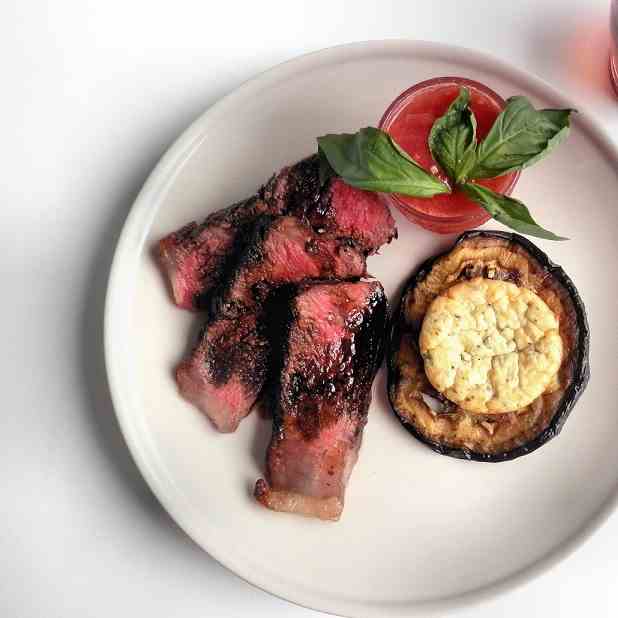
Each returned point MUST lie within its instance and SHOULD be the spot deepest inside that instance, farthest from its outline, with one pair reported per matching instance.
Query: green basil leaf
(452, 139)
(520, 136)
(507, 210)
(371, 160)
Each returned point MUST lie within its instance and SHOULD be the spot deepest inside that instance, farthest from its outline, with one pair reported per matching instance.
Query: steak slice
(284, 250)
(320, 404)
(224, 374)
(194, 258)
(334, 207)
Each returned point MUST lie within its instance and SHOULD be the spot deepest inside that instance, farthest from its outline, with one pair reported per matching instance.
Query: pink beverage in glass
(613, 54)
(409, 119)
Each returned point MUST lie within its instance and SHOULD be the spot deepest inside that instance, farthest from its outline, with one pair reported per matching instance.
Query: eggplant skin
(579, 363)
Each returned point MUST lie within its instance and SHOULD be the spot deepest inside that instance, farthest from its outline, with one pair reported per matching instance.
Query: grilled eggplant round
(440, 423)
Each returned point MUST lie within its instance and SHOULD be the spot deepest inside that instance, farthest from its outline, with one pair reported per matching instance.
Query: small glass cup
(442, 224)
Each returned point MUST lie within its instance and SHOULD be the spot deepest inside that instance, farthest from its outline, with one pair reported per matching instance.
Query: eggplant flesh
(440, 423)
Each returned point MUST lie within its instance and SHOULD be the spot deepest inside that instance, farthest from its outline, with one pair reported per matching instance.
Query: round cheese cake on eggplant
(489, 350)
(490, 346)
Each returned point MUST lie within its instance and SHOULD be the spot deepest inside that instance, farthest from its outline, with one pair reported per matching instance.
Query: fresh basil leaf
(371, 160)
(507, 210)
(452, 139)
(520, 136)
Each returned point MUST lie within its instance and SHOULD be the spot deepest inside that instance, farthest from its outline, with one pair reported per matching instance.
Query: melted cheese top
(490, 346)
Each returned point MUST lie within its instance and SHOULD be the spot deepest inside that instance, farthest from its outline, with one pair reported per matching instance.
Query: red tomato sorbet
(410, 118)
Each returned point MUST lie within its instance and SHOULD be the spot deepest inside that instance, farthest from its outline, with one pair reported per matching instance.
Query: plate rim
(133, 235)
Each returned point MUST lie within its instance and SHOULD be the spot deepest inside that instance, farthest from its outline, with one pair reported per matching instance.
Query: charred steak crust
(247, 241)
(197, 257)
(250, 277)
(224, 374)
(358, 358)
(245, 235)
(321, 397)
(225, 371)
(333, 207)
(296, 189)
(240, 348)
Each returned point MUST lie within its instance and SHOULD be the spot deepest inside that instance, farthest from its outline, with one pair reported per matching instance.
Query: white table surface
(92, 93)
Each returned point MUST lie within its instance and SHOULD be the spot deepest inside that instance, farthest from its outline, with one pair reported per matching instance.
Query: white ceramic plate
(420, 532)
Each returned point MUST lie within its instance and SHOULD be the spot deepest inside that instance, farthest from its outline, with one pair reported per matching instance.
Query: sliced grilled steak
(284, 250)
(195, 256)
(335, 207)
(225, 372)
(320, 405)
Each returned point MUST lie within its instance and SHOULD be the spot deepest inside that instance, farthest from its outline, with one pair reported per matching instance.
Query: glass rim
(399, 103)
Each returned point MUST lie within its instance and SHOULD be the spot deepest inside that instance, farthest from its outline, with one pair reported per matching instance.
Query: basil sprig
(370, 159)
(507, 210)
(452, 139)
(520, 136)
